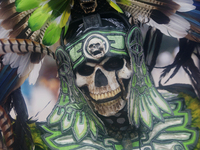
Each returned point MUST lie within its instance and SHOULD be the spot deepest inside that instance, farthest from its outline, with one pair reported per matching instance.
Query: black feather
(184, 59)
(159, 17)
(21, 128)
(36, 57)
(178, 88)
(146, 45)
(156, 43)
(152, 45)
(194, 75)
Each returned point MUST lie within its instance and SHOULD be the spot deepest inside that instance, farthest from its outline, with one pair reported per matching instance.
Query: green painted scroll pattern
(173, 133)
(71, 113)
(144, 102)
(115, 39)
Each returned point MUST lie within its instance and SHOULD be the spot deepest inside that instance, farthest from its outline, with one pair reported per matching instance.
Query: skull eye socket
(114, 64)
(85, 70)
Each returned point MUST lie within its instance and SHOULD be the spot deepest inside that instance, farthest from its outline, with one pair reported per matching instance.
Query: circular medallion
(95, 46)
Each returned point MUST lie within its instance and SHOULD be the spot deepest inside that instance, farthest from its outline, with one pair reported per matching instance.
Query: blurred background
(41, 97)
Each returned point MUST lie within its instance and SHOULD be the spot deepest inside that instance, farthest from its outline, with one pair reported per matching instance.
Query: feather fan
(176, 18)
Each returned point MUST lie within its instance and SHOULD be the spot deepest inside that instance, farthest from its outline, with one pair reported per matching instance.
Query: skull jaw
(88, 6)
(104, 107)
(109, 108)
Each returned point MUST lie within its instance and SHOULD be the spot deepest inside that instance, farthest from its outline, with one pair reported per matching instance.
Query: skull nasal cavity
(100, 79)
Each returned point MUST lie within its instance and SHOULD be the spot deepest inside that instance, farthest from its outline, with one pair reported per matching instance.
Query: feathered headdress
(29, 27)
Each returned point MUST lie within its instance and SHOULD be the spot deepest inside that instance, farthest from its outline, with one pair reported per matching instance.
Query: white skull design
(96, 48)
(103, 84)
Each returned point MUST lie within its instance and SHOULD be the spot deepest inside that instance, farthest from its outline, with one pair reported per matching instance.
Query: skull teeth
(109, 108)
(106, 95)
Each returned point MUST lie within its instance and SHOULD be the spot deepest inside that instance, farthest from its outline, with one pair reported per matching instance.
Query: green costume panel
(174, 132)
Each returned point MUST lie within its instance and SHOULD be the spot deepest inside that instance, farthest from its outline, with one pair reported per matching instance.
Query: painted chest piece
(103, 69)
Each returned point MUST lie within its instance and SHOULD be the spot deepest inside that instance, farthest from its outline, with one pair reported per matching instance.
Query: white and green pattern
(144, 102)
(171, 134)
(71, 113)
(73, 125)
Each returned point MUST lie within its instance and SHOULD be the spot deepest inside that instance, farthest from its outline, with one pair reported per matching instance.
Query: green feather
(52, 34)
(152, 107)
(145, 112)
(56, 4)
(23, 5)
(159, 101)
(59, 7)
(39, 17)
(56, 115)
(131, 105)
(98, 123)
(93, 128)
(67, 121)
(124, 2)
(136, 111)
(115, 6)
(65, 16)
(80, 126)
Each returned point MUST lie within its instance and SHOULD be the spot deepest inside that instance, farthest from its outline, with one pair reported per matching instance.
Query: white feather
(25, 66)
(14, 60)
(11, 59)
(21, 61)
(177, 27)
(35, 73)
(6, 59)
(4, 32)
(185, 5)
(184, 1)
